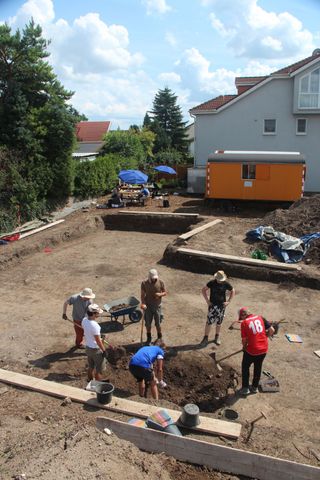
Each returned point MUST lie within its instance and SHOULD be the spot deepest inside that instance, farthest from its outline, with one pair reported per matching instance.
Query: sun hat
(87, 293)
(242, 310)
(153, 274)
(220, 276)
(94, 308)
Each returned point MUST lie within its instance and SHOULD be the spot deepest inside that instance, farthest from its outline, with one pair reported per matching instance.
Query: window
(248, 171)
(269, 126)
(301, 126)
(309, 90)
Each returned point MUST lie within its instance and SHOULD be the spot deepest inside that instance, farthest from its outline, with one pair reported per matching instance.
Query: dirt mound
(301, 218)
(192, 377)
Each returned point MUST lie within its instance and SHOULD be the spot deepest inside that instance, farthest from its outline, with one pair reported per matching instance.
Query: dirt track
(37, 341)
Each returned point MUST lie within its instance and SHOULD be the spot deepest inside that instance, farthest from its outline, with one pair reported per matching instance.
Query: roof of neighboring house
(91, 131)
(252, 82)
(88, 148)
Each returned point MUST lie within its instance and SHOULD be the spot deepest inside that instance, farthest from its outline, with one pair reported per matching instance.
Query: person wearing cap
(95, 349)
(217, 303)
(147, 367)
(242, 314)
(152, 291)
(255, 331)
(80, 302)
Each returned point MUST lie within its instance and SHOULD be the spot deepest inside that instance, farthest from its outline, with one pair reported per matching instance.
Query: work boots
(148, 342)
(217, 340)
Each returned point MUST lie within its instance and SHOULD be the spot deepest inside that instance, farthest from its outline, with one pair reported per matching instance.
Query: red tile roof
(248, 80)
(91, 131)
(297, 65)
(215, 102)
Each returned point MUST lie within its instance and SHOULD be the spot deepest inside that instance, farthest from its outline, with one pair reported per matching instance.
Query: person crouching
(147, 367)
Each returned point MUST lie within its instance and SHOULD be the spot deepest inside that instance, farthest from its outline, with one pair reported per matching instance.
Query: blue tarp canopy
(133, 177)
(165, 169)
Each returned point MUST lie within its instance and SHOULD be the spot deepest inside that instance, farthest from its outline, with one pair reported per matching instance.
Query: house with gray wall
(278, 112)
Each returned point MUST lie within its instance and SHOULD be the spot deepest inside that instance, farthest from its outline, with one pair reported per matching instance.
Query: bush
(96, 177)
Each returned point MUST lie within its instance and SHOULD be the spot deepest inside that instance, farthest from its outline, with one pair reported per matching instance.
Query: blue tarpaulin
(288, 249)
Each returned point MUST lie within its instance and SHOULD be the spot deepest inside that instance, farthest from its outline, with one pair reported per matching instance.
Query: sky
(116, 54)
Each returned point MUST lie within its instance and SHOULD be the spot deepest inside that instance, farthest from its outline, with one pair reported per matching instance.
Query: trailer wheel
(135, 316)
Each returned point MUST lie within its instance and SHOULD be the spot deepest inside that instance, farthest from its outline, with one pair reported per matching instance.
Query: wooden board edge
(218, 457)
(197, 230)
(234, 258)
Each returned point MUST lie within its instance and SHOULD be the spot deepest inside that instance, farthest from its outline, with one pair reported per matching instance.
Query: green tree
(35, 120)
(167, 123)
(125, 144)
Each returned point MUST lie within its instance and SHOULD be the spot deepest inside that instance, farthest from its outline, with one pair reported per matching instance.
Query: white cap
(94, 308)
(153, 274)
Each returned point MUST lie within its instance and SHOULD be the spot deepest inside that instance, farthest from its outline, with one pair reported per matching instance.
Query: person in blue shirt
(147, 367)
(144, 192)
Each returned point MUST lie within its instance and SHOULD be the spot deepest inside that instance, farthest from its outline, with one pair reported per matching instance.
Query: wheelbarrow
(122, 307)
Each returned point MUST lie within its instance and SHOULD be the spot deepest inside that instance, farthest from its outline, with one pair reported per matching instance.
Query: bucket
(104, 392)
(230, 414)
(190, 415)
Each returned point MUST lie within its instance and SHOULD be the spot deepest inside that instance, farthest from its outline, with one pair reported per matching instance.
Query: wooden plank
(193, 232)
(49, 225)
(171, 214)
(317, 352)
(143, 410)
(218, 457)
(245, 260)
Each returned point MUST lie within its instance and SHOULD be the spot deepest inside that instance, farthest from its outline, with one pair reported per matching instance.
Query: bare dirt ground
(43, 439)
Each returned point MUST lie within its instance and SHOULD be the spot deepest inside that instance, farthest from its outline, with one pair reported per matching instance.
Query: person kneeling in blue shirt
(147, 367)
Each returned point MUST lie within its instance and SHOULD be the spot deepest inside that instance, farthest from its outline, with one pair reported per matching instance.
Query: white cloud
(169, 78)
(42, 12)
(254, 32)
(156, 6)
(198, 76)
(171, 39)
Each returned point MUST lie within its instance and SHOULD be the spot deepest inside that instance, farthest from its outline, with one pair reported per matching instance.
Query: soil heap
(301, 218)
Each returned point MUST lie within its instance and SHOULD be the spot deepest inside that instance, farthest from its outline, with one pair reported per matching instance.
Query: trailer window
(248, 171)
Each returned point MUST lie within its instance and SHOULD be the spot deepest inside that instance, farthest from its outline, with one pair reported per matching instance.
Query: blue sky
(116, 54)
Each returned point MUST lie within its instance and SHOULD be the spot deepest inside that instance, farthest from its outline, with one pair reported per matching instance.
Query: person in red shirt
(255, 331)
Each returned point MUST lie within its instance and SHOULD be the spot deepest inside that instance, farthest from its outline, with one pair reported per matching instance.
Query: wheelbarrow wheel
(135, 316)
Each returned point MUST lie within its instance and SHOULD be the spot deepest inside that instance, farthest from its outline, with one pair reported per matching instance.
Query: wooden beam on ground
(234, 259)
(48, 225)
(218, 457)
(171, 214)
(191, 233)
(136, 409)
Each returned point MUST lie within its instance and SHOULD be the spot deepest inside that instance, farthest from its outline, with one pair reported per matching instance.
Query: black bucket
(230, 414)
(104, 392)
(166, 203)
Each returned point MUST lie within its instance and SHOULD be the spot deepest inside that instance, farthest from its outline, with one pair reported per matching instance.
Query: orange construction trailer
(255, 175)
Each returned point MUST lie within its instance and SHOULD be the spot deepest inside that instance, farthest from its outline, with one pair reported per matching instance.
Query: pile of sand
(301, 218)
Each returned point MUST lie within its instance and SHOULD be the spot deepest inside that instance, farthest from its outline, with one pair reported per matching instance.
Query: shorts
(141, 373)
(215, 314)
(95, 359)
(153, 312)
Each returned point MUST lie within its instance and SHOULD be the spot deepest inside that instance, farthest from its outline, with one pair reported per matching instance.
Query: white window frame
(306, 126)
(275, 126)
(309, 91)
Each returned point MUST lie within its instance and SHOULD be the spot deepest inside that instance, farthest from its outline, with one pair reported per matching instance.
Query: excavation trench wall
(151, 223)
(194, 263)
